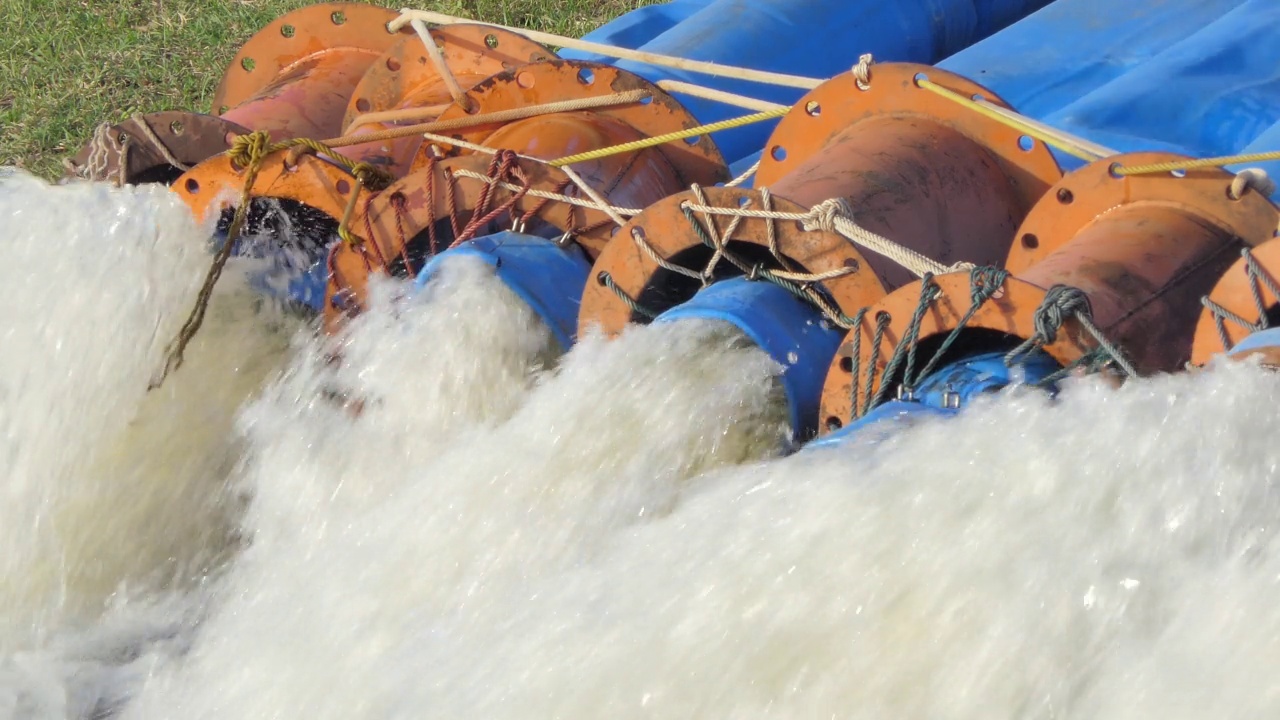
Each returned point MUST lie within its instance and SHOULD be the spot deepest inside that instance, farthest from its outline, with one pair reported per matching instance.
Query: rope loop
(823, 215)
(862, 71)
(249, 149)
(1060, 302)
(1255, 178)
(372, 177)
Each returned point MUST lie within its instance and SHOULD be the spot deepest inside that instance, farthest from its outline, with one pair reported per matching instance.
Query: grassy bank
(67, 65)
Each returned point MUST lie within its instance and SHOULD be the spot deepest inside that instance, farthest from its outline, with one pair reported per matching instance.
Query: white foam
(499, 534)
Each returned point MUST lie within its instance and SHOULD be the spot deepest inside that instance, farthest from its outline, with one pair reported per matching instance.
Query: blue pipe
(813, 38)
(1269, 338)
(792, 332)
(547, 277)
(945, 393)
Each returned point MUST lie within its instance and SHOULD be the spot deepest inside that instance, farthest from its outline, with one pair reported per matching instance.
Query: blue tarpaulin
(813, 38)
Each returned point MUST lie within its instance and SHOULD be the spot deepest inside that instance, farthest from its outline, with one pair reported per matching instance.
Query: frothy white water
(501, 533)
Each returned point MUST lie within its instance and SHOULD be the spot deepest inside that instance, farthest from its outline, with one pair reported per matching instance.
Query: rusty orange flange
(667, 230)
(915, 167)
(189, 138)
(296, 76)
(215, 185)
(404, 77)
(396, 224)
(696, 160)
(293, 79)
(1142, 263)
(1241, 294)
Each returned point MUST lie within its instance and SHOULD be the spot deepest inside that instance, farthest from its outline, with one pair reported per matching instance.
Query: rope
(155, 141)
(425, 112)
(1213, 162)
(1255, 178)
(1054, 138)
(835, 215)
(248, 152)
(668, 137)
(1061, 302)
(1258, 279)
(984, 283)
(745, 176)
(742, 101)
(442, 68)
(607, 280)
(626, 97)
(707, 68)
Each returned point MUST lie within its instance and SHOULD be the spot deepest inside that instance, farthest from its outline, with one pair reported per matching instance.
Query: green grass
(67, 65)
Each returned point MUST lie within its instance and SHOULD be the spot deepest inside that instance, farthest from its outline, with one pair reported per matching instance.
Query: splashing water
(456, 521)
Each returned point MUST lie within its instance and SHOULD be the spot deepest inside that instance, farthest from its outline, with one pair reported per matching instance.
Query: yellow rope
(248, 152)
(1016, 124)
(1215, 162)
(668, 137)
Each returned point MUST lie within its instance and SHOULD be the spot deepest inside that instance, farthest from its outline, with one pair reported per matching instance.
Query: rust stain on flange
(404, 77)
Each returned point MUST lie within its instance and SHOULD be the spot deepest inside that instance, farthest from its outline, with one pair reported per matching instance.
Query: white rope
(706, 93)
(707, 68)
(442, 67)
(862, 71)
(155, 141)
(746, 175)
(1255, 178)
(835, 215)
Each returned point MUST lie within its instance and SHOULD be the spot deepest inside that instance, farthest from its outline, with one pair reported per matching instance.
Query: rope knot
(371, 176)
(1060, 302)
(985, 282)
(1255, 178)
(823, 216)
(249, 148)
(862, 71)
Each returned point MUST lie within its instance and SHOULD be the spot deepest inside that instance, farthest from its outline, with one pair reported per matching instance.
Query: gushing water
(455, 520)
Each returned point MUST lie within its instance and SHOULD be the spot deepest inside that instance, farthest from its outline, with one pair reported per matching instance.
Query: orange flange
(548, 137)
(915, 167)
(405, 78)
(1243, 301)
(311, 192)
(293, 79)
(426, 212)
(1143, 263)
(296, 76)
(626, 268)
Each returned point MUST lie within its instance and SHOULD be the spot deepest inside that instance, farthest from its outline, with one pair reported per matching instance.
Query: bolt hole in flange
(1065, 196)
(586, 77)
(248, 64)
(1026, 143)
(777, 152)
(176, 127)
(338, 17)
(813, 108)
(287, 30)
(491, 41)
(1030, 241)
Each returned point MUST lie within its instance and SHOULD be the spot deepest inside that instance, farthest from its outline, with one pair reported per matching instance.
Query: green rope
(1258, 277)
(984, 283)
(607, 280)
(906, 347)
(1061, 302)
